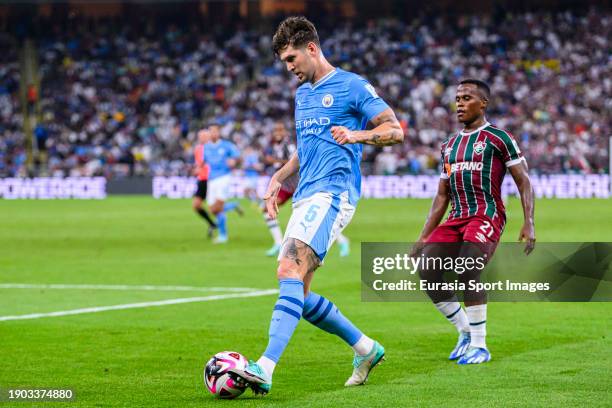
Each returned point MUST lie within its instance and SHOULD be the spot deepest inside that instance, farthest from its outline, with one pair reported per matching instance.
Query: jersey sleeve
(508, 149)
(232, 151)
(365, 99)
(443, 174)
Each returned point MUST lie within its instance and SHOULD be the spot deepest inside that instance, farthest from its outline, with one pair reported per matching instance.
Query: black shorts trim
(201, 191)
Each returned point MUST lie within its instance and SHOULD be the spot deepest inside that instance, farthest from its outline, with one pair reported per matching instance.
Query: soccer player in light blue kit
(332, 109)
(222, 156)
(251, 167)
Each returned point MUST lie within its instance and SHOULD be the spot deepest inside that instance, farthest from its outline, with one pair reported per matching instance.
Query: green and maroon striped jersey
(475, 164)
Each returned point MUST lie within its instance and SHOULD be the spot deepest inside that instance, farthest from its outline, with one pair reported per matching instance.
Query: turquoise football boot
(256, 377)
(274, 250)
(345, 249)
(362, 365)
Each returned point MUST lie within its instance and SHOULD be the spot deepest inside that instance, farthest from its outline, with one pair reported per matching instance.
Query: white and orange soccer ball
(217, 378)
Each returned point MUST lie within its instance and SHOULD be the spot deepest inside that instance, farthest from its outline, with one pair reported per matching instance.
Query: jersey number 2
(487, 229)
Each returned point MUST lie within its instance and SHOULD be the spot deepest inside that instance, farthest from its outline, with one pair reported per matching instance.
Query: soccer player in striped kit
(474, 165)
(276, 155)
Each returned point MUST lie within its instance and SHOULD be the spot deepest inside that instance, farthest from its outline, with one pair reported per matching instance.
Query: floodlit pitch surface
(124, 300)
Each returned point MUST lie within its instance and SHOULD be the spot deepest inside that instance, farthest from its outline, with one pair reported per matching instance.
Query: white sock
(455, 314)
(267, 364)
(364, 345)
(275, 230)
(477, 315)
(342, 239)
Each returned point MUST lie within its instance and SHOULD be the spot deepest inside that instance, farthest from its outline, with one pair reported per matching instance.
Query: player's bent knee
(216, 208)
(288, 269)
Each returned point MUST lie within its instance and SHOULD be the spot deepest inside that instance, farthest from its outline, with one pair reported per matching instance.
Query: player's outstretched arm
(289, 169)
(387, 131)
(520, 174)
(437, 210)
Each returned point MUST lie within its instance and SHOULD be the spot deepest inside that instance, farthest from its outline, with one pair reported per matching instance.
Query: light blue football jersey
(217, 154)
(249, 164)
(340, 98)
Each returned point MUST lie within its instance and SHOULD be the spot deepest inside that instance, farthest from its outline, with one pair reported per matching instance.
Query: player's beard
(302, 80)
(305, 78)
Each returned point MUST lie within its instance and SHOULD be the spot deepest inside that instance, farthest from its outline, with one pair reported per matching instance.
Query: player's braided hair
(295, 32)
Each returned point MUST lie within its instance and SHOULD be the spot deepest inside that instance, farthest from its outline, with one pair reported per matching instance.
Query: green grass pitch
(544, 354)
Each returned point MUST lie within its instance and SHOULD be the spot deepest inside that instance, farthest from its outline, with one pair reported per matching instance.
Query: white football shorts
(218, 189)
(317, 221)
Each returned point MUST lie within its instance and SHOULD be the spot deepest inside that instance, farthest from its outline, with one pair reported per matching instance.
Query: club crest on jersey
(448, 151)
(479, 147)
(328, 100)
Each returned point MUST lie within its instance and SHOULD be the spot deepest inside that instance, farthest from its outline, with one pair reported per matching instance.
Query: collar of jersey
(477, 130)
(324, 79)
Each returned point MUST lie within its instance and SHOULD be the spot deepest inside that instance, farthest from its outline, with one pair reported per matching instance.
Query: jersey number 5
(311, 214)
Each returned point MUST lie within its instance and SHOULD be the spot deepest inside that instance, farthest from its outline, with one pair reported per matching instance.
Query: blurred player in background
(252, 168)
(332, 110)
(202, 170)
(475, 162)
(275, 156)
(222, 156)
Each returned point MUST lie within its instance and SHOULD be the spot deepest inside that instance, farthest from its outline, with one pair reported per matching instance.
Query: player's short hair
(295, 32)
(481, 85)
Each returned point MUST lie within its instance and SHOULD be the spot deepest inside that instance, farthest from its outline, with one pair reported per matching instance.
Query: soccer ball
(217, 378)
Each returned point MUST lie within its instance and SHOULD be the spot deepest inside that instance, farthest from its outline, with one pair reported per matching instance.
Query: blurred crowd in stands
(117, 101)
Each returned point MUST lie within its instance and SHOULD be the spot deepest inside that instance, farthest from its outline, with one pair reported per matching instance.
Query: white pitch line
(162, 288)
(140, 305)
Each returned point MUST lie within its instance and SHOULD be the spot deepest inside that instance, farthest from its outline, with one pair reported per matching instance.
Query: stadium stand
(119, 102)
